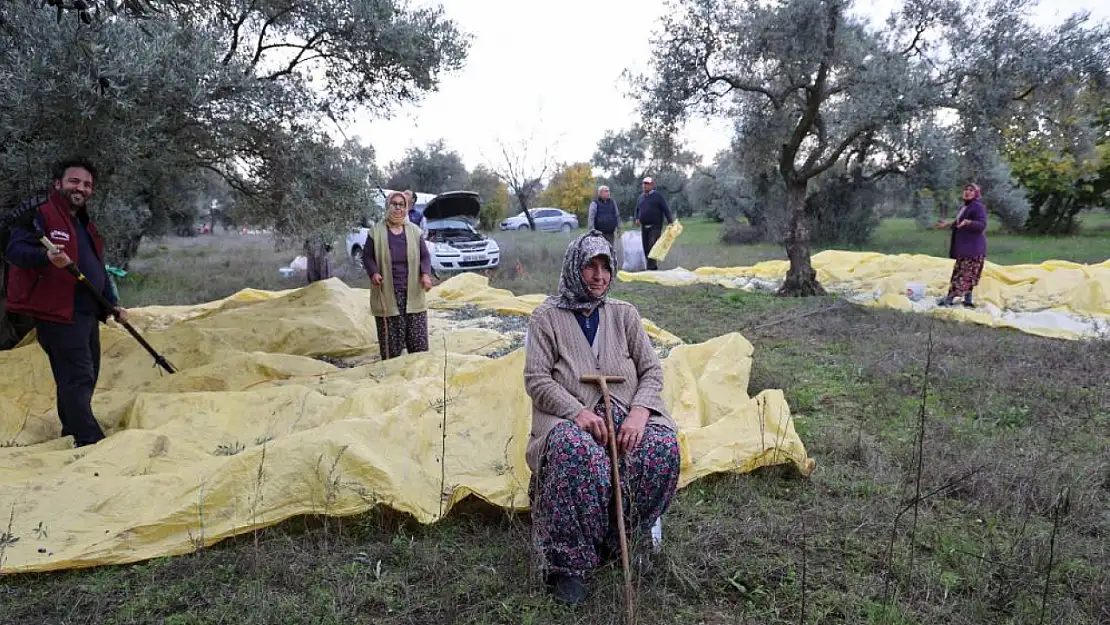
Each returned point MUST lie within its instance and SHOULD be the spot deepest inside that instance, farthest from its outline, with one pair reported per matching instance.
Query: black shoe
(967, 301)
(566, 588)
(944, 302)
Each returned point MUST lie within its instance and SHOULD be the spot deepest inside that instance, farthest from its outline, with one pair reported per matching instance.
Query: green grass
(905, 236)
(1012, 420)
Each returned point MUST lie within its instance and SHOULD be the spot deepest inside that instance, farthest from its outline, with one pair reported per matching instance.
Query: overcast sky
(552, 69)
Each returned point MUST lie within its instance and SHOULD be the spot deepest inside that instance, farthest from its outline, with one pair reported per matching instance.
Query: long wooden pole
(614, 456)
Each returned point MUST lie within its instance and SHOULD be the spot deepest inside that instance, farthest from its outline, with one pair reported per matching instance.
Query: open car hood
(453, 204)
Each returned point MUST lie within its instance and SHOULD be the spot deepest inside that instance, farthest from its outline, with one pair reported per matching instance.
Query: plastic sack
(662, 247)
(633, 248)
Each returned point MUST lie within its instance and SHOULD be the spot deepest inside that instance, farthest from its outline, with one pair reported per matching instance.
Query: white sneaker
(657, 535)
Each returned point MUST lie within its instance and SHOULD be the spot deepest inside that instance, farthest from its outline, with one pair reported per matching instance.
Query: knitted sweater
(558, 355)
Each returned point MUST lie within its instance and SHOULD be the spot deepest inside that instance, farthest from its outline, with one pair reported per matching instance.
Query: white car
(454, 244)
(549, 219)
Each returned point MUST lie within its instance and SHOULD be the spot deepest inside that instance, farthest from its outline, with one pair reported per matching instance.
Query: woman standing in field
(968, 246)
(399, 267)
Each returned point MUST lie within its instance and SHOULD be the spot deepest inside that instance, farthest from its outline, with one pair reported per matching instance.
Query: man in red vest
(66, 314)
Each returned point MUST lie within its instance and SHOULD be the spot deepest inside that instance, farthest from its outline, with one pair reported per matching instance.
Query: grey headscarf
(573, 293)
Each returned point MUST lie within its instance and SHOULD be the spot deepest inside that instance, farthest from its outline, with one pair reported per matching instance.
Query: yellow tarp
(255, 428)
(1055, 298)
(662, 247)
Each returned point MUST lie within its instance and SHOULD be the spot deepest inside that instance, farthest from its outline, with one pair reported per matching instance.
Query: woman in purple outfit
(399, 267)
(968, 246)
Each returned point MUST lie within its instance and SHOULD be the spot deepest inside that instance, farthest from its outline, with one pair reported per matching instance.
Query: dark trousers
(649, 235)
(404, 331)
(74, 353)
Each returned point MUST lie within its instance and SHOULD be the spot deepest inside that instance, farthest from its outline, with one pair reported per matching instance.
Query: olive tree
(806, 80)
(236, 88)
(434, 168)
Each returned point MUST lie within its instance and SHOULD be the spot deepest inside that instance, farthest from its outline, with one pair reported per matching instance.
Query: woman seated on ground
(968, 247)
(582, 332)
(399, 267)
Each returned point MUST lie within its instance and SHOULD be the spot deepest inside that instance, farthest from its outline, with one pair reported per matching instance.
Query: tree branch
(822, 140)
(883, 173)
(736, 84)
(837, 153)
(260, 47)
(300, 58)
(815, 96)
(920, 27)
(235, 32)
(232, 181)
(1025, 94)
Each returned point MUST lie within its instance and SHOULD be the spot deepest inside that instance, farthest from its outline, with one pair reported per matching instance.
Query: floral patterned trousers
(573, 514)
(406, 331)
(965, 276)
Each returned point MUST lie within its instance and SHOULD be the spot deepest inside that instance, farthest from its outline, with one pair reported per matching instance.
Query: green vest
(383, 301)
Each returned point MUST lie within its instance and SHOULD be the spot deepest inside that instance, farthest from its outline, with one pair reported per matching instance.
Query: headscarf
(963, 209)
(389, 218)
(573, 292)
(978, 192)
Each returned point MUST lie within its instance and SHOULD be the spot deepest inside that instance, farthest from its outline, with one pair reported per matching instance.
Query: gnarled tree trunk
(801, 279)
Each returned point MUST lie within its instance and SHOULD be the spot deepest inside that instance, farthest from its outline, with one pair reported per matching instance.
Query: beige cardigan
(383, 300)
(558, 354)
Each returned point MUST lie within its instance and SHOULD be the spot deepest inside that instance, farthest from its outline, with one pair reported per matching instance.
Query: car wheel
(523, 227)
(565, 228)
(356, 254)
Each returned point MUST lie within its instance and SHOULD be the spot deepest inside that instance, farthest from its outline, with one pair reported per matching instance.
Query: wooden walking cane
(385, 318)
(603, 382)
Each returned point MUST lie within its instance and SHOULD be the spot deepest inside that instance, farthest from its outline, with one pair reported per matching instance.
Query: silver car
(547, 219)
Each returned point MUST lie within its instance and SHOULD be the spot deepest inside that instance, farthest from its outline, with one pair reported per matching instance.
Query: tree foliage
(235, 88)
(571, 188)
(432, 169)
(523, 167)
(1006, 72)
(494, 194)
(808, 83)
(815, 90)
(627, 156)
(1062, 160)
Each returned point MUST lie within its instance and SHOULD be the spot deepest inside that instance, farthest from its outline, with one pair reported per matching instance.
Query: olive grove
(242, 90)
(827, 102)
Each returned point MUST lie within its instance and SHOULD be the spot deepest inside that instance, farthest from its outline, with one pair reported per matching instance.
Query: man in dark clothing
(651, 210)
(66, 314)
(603, 215)
(415, 216)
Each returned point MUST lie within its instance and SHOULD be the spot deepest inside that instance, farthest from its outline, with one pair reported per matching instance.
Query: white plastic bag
(633, 248)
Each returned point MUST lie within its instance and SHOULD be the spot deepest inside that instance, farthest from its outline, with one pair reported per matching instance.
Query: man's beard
(78, 204)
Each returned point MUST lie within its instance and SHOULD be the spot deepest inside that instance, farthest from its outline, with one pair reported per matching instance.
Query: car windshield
(450, 224)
